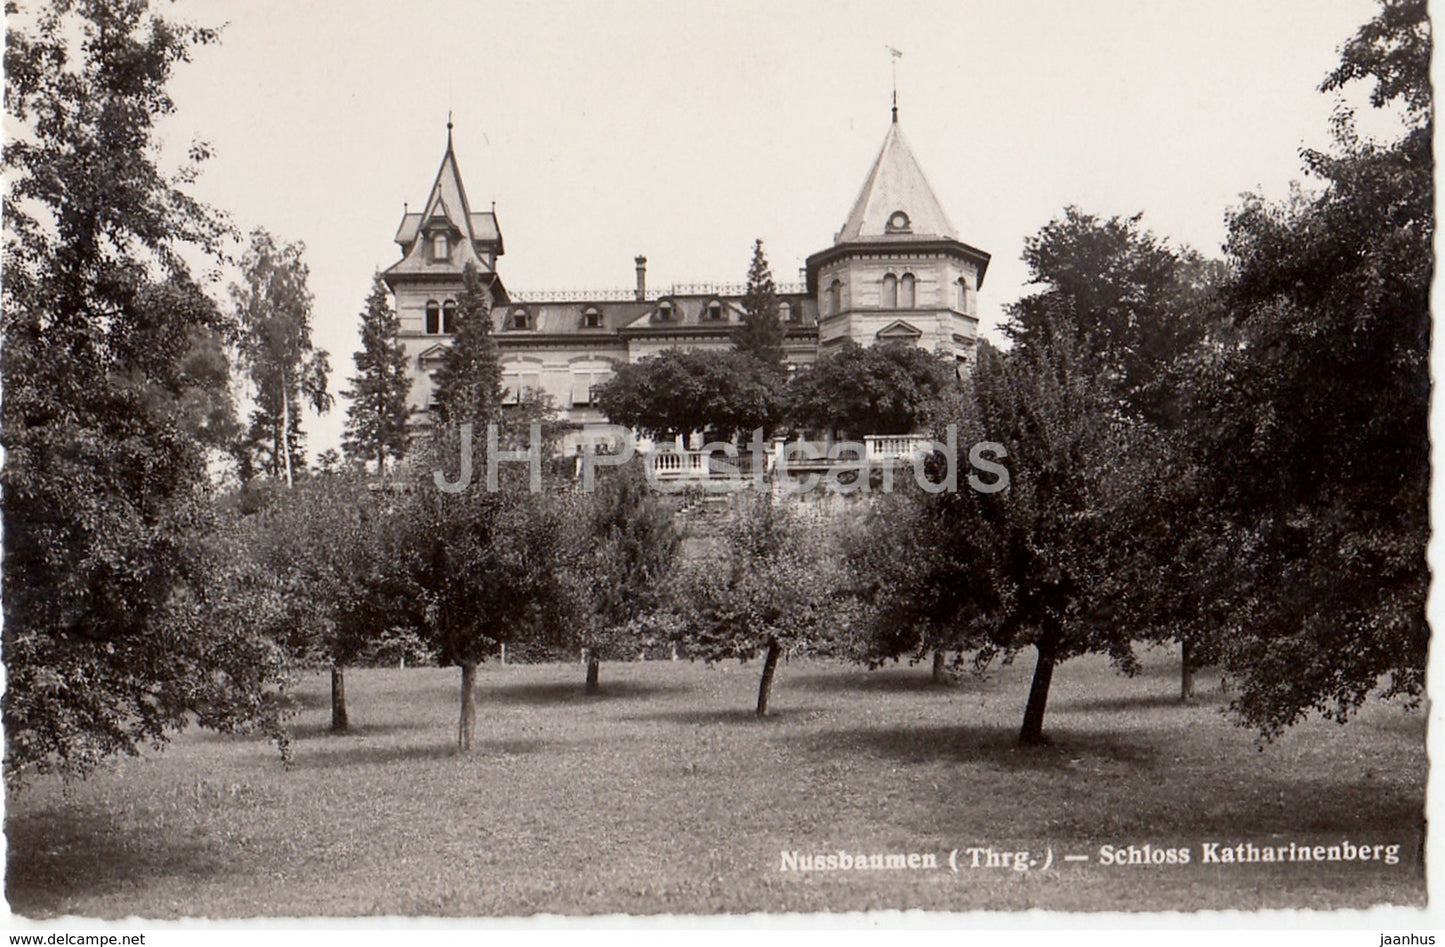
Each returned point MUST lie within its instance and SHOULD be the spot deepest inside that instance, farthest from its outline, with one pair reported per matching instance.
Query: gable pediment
(899, 331)
(434, 353)
(438, 213)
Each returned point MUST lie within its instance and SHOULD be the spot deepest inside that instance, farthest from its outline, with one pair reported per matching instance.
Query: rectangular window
(584, 380)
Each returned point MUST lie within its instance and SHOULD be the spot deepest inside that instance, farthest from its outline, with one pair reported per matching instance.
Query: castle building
(896, 272)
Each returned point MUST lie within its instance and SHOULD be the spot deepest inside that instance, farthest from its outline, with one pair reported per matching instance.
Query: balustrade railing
(895, 446)
(630, 295)
(675, 464)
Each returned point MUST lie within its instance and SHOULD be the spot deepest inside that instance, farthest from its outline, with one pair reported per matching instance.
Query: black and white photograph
(940, 464)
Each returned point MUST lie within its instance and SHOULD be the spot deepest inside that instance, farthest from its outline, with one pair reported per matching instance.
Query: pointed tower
(896, 270)
(436, 245)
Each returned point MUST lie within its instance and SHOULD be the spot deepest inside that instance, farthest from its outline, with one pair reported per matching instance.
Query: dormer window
(665, 311)
(898, 222)
(440, 247)
(714, 311)
(433, 317)
(520, 319)
(591, 318)
(449, 317)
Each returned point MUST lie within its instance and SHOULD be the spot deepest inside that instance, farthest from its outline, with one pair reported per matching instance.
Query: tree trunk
(1048, 646)
(469, 707)
(594, 670)
(765, 686)
(1186, 671)
(286, 431)
(940, 666)
(338, 699)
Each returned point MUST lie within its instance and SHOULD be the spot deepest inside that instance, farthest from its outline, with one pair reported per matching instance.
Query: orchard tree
(774, 591)
(331, 544)
(273, 307)
(625, 549)
(761, 333)
(916, 570)
(1137, 309)
(1043, 562)
(485, 568)
(1311, 413)
(376, 421)
(121, 619)
(883, 389)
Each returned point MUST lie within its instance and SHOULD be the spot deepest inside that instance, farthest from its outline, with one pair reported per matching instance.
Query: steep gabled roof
(896, 183)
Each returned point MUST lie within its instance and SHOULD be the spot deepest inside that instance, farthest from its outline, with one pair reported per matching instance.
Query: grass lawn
(664, 795)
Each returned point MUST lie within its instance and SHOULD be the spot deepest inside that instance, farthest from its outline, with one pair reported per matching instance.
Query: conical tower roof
(448, 198)
(896, 200)
(478, 240)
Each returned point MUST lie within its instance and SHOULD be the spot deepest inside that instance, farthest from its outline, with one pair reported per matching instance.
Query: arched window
(905, 291)
(714, 311)
(890, 292)
(439, 248)
(520, 319)
(591, 318)
(449, 317)
(664, 311)
(433, 317)
(835, 297)
(785, 312)
(963, 294)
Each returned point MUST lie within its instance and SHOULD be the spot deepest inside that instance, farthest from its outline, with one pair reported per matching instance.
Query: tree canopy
(123, 618)
(773, 591)
(882, 389)
(1309, 411)
(484, 567)
(680, 391)
(622, 551)
(273, 308)
(1136, 303)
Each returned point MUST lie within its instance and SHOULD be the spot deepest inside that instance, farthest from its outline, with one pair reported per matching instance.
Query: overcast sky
(682, 131)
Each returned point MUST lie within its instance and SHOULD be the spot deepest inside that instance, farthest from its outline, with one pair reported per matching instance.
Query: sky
(685, 130)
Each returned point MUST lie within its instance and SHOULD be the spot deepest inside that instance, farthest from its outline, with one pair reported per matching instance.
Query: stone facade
(896, 272)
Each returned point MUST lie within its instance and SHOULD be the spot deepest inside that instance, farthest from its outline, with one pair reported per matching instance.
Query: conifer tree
(469, 383)
(376, 420)
(761, 333)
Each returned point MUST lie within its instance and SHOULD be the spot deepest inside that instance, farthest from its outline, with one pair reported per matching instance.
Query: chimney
(641, 278)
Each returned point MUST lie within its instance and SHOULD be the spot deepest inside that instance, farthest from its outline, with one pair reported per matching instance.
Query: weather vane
(894, 56)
